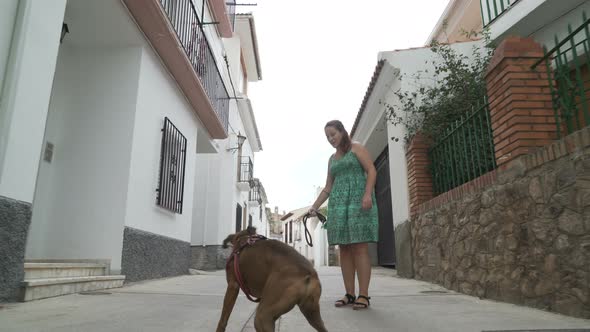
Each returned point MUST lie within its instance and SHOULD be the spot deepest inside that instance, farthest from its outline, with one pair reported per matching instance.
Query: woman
(352, 211)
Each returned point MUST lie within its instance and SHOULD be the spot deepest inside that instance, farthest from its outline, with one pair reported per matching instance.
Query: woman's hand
(312, 211)
(367, 202)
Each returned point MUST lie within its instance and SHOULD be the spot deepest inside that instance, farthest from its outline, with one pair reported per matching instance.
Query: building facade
(503, 234)
(107, 108)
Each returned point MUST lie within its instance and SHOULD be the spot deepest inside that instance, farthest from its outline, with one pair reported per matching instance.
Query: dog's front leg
(233, 289)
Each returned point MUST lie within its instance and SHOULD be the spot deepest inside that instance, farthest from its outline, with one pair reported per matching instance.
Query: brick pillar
(419, 177)
(520, 101)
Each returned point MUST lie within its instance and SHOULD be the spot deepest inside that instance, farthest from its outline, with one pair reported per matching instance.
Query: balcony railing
(246, 170)
(231, 12)
(189, 29)
(568, 68)
(491, 9)
(254, 194)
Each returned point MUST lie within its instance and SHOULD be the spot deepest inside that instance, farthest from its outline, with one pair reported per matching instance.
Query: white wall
(158, 96)
(259, 220)
(216, 191)
(320, 246)
(215, 197)
(27, 87)
(81, 198)
(207, 200)
(233, 52)
(8, 15)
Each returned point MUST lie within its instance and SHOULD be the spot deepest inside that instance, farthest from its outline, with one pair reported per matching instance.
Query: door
(386, 244)
(238, 218)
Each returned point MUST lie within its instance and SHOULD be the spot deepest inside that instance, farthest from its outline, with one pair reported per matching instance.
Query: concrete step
(63, 269)
(34, 289)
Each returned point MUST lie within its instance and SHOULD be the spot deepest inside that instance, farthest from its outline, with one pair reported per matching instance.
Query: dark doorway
(238, 218)
(249, 221)
(386, 245)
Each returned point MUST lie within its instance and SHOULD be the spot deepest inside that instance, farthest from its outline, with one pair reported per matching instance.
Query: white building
(544, 20)
(294, 235)
(229, 198)
(375, 132)
(109, 111)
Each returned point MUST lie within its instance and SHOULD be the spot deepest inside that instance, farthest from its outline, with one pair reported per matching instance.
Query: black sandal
(349, 300)
(360, 305)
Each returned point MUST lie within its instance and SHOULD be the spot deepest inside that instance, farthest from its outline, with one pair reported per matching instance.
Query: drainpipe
(206, 214)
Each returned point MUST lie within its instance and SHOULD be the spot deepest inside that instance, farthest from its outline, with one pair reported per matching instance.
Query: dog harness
(235, 256)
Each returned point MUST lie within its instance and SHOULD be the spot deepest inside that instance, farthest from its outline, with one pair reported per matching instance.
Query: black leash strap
(308, 238)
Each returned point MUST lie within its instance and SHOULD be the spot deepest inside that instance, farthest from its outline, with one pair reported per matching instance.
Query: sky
(317, 59)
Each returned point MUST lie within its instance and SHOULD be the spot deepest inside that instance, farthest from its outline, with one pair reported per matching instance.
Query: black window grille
(170, 192)
(246, 170)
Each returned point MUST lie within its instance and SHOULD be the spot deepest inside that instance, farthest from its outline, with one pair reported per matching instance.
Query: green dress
(347, 221)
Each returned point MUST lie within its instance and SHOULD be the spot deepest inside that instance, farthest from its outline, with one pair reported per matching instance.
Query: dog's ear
(228, 239)
(251, 230)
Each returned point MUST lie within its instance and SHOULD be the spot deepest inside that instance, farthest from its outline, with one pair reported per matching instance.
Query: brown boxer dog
(276, 274)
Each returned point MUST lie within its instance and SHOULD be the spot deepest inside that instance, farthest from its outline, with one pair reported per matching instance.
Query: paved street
(193, 303)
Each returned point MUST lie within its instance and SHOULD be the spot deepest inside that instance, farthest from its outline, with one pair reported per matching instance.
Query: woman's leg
(347, 267)
(362, 263)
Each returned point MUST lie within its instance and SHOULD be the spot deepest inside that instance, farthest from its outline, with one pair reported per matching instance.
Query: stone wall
(150, 256)
(209, 258)
(15, 218)
(524, 239)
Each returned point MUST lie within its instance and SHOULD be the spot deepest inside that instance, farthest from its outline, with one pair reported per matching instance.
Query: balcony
(254, 196)
(245, 174)
(491, 9)
(524, 18)
(176, 33)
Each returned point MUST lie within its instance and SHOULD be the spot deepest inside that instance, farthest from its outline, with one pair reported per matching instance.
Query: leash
(308, 238)
(235, 256)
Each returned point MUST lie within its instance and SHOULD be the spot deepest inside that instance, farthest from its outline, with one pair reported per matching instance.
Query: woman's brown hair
(345, 143)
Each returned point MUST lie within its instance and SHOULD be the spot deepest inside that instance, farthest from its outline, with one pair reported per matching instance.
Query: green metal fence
(568, 65)
(464, 153)
(491, 9)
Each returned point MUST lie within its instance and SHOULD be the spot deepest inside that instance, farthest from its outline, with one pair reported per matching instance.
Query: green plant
(457, 84)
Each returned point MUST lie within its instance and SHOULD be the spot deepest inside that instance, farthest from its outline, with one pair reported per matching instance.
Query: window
(170, 192)
(286, 233)
(238, 218)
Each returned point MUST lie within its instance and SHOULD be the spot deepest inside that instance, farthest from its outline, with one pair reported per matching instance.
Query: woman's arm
(325, 192)
(367, 162)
